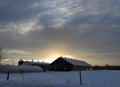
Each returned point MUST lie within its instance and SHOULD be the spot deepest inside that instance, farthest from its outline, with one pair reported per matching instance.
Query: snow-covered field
(62, 79)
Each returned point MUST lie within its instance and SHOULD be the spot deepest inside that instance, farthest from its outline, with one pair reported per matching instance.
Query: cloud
(17, 51)
(82, 28)
(15, 10)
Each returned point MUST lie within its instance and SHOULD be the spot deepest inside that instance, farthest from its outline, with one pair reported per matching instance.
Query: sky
(87, 30)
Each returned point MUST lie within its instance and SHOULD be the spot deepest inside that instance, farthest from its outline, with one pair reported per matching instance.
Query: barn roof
(76, 62)
(36, 63)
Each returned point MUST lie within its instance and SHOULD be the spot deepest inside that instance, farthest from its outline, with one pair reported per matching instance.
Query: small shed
(42, 65)
(67, 64)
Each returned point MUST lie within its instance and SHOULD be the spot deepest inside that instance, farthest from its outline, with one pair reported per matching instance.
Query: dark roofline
(71, 59)
(31, 62)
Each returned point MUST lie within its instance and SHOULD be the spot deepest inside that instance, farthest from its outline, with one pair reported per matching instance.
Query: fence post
(23, 72)
(80, 75)
(8, 75)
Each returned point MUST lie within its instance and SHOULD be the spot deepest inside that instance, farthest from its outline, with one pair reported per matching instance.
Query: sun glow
(67, 56)
(54, 57)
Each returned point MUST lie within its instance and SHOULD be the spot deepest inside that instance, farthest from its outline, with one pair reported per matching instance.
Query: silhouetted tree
(20, 62)
(3, 52)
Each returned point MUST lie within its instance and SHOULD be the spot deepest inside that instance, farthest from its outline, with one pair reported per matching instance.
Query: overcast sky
(45, 29)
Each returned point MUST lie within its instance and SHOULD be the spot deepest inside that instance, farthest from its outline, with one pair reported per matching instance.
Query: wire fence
(56, 78)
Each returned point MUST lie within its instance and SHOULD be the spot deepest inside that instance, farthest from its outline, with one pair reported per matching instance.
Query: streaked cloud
(18, 51)
(88, 29)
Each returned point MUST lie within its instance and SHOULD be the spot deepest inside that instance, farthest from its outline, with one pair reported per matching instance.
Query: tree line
(106, 67)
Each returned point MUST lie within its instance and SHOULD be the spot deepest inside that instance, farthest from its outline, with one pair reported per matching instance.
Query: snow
(62, 79)
(27, 68)
(38, 63)
(77, 62)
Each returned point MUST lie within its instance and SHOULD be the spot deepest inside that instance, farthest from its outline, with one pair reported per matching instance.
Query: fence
(49, 78)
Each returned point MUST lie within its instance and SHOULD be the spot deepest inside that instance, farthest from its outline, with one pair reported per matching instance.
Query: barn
(67, 64)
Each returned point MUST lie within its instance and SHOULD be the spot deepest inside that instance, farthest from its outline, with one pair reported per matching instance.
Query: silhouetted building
(66, 64)
(43, 65)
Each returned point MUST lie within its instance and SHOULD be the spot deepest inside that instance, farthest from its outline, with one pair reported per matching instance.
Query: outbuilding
(42, 65)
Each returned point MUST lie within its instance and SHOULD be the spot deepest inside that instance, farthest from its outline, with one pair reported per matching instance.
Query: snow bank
(63, 79)
(26, 68)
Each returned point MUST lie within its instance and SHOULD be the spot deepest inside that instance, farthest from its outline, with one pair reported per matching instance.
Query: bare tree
(3, 52)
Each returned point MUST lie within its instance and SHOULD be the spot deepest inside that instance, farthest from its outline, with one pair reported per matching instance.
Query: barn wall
(76, 68)
(60, 65)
